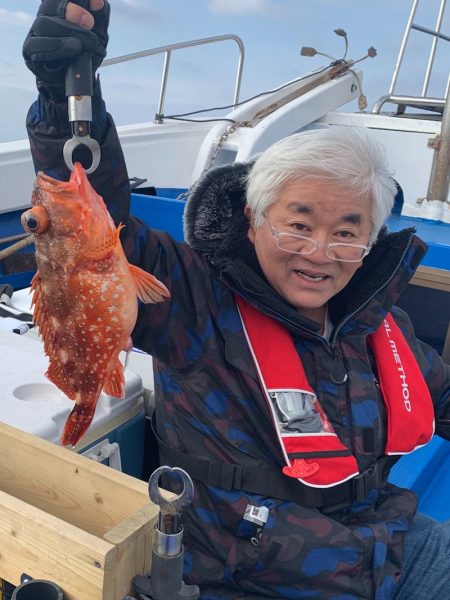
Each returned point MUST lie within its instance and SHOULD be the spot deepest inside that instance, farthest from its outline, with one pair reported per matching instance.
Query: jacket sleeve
(435, 371)
(49, 128)
(170, 330)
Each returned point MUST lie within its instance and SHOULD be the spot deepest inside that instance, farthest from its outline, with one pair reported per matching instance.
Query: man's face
(324, 212)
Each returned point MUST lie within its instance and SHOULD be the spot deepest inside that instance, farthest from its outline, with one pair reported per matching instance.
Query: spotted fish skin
(84, 293)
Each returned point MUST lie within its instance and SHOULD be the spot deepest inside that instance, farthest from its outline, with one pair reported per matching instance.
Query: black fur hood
(214, 203)
(216, 227)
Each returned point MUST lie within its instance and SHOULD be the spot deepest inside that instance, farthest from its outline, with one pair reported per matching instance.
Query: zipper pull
(338, 373)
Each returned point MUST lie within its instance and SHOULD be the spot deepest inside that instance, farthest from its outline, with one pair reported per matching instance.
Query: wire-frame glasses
(300, 244)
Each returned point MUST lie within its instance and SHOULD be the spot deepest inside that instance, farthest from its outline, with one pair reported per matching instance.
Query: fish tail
(76, 425)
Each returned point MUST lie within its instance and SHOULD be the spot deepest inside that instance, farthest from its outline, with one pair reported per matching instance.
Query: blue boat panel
(435, 233)
(169, 192)
(14, 271)
(10, 223)
(18, 281)
(426, 472)
(159, 213)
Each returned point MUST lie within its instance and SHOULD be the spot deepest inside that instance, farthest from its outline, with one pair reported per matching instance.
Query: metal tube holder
(166, 578)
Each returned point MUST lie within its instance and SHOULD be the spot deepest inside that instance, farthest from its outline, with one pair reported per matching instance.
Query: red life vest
(313, 452)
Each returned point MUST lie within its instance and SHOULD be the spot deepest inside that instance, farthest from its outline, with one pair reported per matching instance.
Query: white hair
(347, 156)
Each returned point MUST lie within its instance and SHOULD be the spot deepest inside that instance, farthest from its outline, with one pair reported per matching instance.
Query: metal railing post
(167, 50)
(237, 87)
(402, 48)
(162, 94)
(404, 100)
(433, 47)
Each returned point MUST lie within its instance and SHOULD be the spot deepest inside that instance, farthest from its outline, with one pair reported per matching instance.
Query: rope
(17, 246)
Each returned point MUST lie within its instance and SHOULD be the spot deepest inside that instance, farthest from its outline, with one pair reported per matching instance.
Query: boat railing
(439, 181)
(423, 100)
(167, 51)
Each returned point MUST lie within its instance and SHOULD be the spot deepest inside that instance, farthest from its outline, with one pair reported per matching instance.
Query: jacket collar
(216, 227)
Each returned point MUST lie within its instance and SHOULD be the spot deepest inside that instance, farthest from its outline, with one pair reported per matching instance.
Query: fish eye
(32, 222)
(35, 220)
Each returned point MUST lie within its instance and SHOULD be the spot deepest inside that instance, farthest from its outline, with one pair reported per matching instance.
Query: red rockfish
(84, 293)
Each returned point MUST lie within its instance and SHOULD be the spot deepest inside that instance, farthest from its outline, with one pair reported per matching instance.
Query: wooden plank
(43, 546)
(133, 541)
(438, 279)
(71, 520)
(74, 488)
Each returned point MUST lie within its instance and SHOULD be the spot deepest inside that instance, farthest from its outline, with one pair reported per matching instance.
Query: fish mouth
(46, 183)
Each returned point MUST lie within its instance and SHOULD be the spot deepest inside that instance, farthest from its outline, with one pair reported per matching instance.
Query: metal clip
(174, 504)
(170, 509)
(76, 141)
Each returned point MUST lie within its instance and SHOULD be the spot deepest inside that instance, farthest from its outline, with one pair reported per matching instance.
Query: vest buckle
(300, 468)
(365, 482)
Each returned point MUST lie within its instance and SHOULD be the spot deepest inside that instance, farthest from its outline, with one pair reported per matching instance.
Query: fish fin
(41, 315)
(148, 288)
(36, 300)
(57, 375)
(77, 424)
(119, 228)
(115, 383)
(56, 372)
(99, 247)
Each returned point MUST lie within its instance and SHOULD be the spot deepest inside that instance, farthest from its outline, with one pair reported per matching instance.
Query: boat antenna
(309, 51)
(342, 33)
(371, 53)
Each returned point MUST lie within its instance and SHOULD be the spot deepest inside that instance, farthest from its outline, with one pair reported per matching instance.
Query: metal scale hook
(79, 90)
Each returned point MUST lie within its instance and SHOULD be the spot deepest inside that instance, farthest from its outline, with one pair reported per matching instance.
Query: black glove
(52, 42)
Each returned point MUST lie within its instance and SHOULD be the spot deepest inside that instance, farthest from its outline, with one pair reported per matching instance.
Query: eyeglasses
(299, 244)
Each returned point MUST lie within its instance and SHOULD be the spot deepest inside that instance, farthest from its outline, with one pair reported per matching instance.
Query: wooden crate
(71, 520)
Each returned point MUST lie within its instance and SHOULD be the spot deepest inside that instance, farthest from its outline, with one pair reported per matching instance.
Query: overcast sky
(273, 32)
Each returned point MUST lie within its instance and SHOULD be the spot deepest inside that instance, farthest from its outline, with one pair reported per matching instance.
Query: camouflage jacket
(209, 401)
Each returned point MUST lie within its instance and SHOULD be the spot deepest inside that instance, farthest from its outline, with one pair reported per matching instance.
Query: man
(276, 359)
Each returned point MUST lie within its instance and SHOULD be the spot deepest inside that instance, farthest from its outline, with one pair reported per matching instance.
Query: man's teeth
(312, 277)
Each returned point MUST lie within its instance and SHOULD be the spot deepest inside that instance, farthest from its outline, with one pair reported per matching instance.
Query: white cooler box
(29, 401)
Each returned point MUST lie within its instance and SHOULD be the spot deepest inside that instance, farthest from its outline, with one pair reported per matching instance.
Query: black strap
(6, 291)
(5, 312)
(272, 483)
